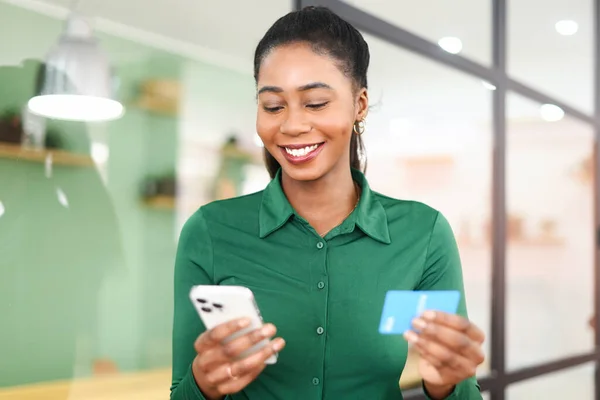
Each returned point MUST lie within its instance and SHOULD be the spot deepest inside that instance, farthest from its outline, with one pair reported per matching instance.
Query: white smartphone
(219, 304)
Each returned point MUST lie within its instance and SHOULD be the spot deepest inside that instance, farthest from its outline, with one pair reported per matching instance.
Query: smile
(301, 153)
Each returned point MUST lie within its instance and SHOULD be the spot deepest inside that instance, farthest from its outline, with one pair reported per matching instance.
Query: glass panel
(549, 233)
(465, 25)
(438, 151)
(550, 47)
(574, 383)
(88, 230)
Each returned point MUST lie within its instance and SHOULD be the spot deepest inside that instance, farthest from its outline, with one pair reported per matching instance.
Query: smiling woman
(303, 244)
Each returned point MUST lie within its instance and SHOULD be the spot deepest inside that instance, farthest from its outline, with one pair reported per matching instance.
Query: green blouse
(325, 295)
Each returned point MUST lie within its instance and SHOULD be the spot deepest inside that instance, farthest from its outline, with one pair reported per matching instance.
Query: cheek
(266, 126)
(338, 130)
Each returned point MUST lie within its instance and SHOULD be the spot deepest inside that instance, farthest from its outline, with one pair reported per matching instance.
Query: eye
(317, 106)
(272, 109)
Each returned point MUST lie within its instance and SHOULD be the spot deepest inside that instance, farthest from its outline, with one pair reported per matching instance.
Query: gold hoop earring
(359, 127)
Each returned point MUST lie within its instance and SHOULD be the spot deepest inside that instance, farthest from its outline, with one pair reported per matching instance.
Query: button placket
(322, 319)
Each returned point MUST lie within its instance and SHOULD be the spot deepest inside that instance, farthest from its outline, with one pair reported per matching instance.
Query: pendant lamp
(76, 81)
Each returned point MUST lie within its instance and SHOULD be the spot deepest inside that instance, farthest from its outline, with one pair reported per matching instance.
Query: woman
(317, 247)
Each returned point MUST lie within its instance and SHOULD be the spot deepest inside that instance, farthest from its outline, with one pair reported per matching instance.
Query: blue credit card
(402, 306)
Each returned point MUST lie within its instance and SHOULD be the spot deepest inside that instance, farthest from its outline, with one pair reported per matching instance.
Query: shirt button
(316, 381)
(320, 245)
(321, 285)
(320, 330)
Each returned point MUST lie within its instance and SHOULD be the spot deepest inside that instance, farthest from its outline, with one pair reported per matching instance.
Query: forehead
(296, 64)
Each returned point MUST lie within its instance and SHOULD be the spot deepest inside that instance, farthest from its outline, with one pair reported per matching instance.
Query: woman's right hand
(217, 369)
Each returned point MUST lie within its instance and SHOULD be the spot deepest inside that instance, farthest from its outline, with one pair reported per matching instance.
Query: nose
(295, 124)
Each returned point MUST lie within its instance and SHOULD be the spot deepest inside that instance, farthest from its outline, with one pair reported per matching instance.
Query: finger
(457, 341)
(225, 353)
(219, 333)
(224, 377)
(455, 322)
(237, 346)
(446, 372)
(441, 357)
(211, 358)
(249, 366)
(257, 360)
(236, 385)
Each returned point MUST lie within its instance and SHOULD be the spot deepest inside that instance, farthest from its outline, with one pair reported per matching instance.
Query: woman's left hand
(450, 350)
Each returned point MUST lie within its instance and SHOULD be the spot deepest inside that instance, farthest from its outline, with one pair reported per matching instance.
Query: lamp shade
(76, 81)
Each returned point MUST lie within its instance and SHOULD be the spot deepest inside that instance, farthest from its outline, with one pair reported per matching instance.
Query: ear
(362, 104)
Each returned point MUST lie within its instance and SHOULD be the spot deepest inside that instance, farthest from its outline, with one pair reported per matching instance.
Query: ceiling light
(488, 85)
(567, 27)
(452, 45)
(76, 81)
(551, 113)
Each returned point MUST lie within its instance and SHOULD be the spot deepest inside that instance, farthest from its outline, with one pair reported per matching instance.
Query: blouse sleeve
(193, 266)
(443, 271)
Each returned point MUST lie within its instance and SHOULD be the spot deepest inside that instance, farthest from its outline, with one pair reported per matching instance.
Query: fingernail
(278, 345)
(429, 315)
(411, 337)
(244, 322)
(419, 323)
(267, 330)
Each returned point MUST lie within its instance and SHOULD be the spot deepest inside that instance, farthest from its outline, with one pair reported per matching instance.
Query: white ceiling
(408, 85)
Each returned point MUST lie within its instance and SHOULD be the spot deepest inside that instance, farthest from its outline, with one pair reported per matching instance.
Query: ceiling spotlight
(452, 45)
(551, 113)
(488, 85)
(567, 27)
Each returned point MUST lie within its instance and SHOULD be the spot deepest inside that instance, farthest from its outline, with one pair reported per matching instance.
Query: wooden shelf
(59, 157)
(160, 202)
(156, 108)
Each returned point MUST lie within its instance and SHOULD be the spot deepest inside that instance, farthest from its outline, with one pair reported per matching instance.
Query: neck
(324, 203)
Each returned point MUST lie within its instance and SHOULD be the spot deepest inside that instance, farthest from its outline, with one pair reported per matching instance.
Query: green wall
(91, 280)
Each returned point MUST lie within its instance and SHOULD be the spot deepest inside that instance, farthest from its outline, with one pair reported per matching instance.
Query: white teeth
(301, 152)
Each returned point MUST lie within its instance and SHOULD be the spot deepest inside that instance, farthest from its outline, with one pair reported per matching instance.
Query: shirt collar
(370, 216)
(275, 209)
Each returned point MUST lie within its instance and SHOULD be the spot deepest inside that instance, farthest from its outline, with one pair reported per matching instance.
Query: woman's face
(306, 111)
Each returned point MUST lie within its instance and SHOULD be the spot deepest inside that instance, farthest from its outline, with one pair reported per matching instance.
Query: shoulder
(237, 211)
(414, 220)
(410, 210)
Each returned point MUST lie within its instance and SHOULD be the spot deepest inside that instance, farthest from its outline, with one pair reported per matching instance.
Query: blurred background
(483, 109)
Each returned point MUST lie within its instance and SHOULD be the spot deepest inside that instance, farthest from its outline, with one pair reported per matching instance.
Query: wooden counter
(147, 385)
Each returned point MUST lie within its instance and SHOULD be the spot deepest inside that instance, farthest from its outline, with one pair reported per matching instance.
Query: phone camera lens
(201, 301)
(206, 309)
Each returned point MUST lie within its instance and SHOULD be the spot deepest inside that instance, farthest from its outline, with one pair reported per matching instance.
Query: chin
(303, 173)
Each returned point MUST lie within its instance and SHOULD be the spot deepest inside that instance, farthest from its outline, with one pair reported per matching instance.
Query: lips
(298, 154)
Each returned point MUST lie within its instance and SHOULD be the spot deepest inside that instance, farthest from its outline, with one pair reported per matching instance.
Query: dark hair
(327, 34)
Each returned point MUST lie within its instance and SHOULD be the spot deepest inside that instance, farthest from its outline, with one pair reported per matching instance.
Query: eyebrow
(303, 88)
